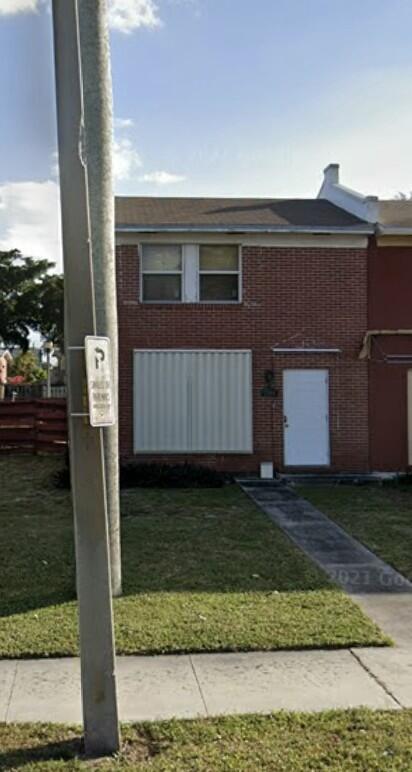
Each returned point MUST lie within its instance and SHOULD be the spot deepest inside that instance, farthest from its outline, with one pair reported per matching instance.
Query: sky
(215, 98)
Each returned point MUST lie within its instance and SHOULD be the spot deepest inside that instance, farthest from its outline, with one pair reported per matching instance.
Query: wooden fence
(33, 426)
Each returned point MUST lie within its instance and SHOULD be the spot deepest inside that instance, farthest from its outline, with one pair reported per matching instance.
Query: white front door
(306, 417)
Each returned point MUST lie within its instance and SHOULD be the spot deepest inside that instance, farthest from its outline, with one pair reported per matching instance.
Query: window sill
(193, 452)
(194, 303)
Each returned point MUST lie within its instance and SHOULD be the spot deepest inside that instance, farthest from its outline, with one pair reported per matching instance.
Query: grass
(204, 570)
(380, 517)
(336, 741)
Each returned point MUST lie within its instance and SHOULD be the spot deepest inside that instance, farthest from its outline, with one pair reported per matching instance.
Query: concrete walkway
(351, 565)
(188, 686)
(383, 594)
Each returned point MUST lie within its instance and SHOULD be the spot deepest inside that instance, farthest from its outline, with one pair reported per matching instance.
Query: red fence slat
(38, 425)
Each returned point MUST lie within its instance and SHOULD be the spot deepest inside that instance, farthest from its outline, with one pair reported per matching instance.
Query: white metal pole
(99, 699)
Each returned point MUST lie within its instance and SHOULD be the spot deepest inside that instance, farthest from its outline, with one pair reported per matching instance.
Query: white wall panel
(193, 401)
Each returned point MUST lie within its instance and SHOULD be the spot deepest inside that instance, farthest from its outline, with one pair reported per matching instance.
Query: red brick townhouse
(388, 338)
(240, 326)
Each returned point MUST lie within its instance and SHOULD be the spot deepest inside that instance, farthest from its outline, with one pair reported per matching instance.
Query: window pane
(215, 287)
(162, 257)
(223, 257)
(162, 287)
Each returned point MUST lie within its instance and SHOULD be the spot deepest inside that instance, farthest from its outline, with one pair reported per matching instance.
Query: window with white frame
(219, 272)
(191, 273)
(162, 268)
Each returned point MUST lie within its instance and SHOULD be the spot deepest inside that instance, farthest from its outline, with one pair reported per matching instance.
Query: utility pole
(100, 714)
(98, 130)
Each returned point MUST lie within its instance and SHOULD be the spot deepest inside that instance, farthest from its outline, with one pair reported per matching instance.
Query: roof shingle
(395, 213)
(150, 212)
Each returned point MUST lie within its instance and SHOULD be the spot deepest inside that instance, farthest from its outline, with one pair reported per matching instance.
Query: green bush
(135, 474)
(144, 475)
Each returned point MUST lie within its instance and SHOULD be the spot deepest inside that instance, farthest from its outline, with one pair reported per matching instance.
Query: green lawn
(204, 570)
(336, 741)
(380, 517)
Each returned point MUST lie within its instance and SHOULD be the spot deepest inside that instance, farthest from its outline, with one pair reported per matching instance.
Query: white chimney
(364, 207)
(331, 174)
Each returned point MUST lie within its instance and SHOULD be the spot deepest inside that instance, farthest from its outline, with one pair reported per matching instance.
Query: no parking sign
(99, 375)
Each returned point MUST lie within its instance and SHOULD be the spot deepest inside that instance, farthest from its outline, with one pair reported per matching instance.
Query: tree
(50, 309)
(27, 365)
(404, 196)
(30, 299)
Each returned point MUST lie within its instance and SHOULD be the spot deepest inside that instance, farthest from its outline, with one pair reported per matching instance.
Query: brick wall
(390, 279)
(291, 297)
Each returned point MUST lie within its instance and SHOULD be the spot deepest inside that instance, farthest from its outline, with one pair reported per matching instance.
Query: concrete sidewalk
(189, 686)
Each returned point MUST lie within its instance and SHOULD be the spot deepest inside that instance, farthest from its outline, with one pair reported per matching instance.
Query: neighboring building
(5, 359)
(240, 327)
(388, 337)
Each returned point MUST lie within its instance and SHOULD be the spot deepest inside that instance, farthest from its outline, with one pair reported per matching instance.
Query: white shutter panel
(193, 401)
(160, 403)
(221, 402)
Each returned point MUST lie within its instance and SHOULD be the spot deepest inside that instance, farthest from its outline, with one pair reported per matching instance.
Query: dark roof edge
(361, 229)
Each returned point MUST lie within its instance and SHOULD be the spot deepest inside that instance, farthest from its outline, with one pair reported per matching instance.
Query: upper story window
(219, 272)
(191, 273)
(162, 272)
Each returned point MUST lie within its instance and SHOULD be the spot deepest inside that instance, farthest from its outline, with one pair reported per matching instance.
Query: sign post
(99, 699)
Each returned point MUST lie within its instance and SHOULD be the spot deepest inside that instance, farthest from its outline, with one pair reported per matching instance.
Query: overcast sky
(215, 97)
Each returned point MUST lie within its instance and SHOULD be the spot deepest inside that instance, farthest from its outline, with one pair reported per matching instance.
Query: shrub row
(151, 475)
